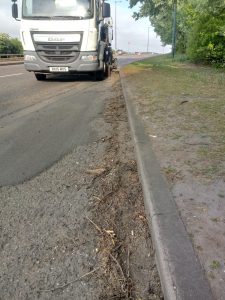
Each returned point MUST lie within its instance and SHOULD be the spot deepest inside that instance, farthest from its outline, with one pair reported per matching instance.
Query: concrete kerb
(181, 274)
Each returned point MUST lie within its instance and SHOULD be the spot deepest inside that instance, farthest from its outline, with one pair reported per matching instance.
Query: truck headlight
(29, 57)
(92, 58)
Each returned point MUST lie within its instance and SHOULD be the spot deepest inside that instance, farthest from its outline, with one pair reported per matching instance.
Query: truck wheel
(99, 75)
(108, 70)
(40, 76)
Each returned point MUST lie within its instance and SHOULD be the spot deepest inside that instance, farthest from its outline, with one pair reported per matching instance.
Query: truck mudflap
(114, 63)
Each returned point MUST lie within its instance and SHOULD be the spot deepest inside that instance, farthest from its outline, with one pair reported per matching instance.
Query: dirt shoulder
(182, 108)
(78, 230)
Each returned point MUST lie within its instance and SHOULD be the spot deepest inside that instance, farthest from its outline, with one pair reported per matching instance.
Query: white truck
(66, 36)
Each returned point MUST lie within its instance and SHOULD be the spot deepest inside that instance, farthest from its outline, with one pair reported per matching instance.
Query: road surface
(49, 248)
(125, 60)
(40, 122)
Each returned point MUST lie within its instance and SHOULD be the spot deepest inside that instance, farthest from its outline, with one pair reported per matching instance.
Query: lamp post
(174, 27)
(116, 26)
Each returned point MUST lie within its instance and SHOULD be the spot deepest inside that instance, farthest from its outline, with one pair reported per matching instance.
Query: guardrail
(10, 56)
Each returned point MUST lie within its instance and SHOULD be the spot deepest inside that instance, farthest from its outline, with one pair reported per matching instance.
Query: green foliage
(200, 26)
(4, 42)
(10, 45)
(206, 40)
(160, 15)
(16, 46)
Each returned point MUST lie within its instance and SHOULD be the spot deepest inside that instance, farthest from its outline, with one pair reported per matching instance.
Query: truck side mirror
(106, 10)
(15, 11)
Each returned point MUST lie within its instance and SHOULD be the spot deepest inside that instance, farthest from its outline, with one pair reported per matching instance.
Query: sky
(132, 36)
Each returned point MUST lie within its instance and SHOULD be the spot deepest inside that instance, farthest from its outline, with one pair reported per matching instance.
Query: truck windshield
(57, 9)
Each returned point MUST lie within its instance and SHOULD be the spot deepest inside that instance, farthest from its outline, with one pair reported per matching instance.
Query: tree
(160, 13)
(4, 43)
(206, 41)
(200, 26)
(10, 45)
(16, 46)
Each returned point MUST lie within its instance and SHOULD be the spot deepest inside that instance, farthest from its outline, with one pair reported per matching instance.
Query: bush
(206, 42)
(10, 45)
(16, 46)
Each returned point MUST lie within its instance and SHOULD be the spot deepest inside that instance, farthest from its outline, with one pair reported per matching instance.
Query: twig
(119, 266)
(128, 261)
(70, 282)
(185, 101)
(95, 225)
(107, 195)
(128, 271)
(97, 198)
(102, 231)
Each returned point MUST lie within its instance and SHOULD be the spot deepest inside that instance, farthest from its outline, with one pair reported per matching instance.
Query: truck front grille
(57, 52)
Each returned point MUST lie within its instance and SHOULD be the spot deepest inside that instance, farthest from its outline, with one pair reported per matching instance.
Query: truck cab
(65, 36)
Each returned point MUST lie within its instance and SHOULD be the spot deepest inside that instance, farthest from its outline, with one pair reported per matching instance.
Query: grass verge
(183, 107)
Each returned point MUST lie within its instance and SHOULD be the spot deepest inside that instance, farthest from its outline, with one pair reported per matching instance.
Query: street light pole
(174, 27)
(116, 26)
(148, 40)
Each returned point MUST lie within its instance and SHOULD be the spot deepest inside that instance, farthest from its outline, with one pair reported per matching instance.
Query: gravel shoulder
(78, 230)
(182, 109)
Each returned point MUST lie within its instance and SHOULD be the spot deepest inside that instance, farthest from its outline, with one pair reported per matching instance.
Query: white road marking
(18, 74)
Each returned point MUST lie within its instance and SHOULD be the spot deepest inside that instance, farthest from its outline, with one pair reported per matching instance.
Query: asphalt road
(42, 121)
(125, 60)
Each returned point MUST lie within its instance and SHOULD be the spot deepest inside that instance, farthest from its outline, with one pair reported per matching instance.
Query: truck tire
(108, 70)
(99, 75)
(40, 76)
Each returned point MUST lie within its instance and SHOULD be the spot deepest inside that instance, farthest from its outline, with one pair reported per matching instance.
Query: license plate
(59, 69)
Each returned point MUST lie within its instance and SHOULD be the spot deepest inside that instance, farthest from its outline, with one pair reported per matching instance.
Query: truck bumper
(35, 64)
